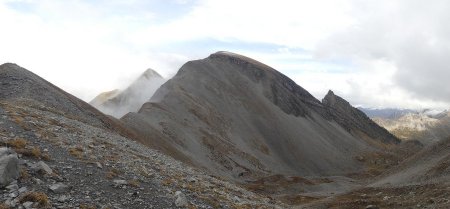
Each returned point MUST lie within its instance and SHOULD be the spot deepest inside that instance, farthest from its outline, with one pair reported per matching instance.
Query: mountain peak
(14, 69)
(150, 73)
(8, 64)
(239, 59)
(332, 100)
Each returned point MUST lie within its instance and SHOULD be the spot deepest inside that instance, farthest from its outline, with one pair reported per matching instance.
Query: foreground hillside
(69, 158)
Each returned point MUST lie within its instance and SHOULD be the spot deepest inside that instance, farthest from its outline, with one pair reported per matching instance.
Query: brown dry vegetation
(24, 174)
(418, 196)
(17, 143)
(134, 183)
(3, 206)
(76, 152)
(112, 173)
(38, 197)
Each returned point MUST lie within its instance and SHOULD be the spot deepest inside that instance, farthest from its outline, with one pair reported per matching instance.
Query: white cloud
(373, 53)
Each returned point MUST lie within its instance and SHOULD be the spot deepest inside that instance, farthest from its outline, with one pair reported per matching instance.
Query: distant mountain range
(385, 113)
(427, 126)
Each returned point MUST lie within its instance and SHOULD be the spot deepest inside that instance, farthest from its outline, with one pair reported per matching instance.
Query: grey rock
(41, 166)
(180, 199)
(23, 190)
(119, 183)
(13, 194)
(9, 166)
(372, 207)
(63, 198)
(13, 187)
(10, 203)
(37, 181)
(99, 165)
(192, 180)
(28, 205)
(59, 188)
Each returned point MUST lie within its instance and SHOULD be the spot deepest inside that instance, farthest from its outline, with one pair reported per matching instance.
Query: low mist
(119, 103)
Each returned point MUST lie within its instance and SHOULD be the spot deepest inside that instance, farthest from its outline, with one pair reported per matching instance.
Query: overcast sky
(373, 53)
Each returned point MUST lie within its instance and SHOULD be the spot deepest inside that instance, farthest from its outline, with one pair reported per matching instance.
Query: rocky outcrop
(355, 121)
(9, 166)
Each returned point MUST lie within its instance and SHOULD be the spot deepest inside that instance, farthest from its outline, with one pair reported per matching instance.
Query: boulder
(43, 167)
(180, 200)
(9, 166)
(59, 188)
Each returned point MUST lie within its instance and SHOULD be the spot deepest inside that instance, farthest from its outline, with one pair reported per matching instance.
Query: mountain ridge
(225, 99)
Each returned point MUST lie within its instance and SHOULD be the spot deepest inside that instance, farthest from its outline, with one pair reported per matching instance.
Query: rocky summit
(226, 131)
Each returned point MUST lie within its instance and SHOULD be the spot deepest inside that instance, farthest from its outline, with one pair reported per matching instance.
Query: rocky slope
(118, 103)
(69, 155)
(244, 120)
(420, 181)
(355, 121)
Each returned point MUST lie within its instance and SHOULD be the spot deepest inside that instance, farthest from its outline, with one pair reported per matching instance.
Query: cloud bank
(373, 53)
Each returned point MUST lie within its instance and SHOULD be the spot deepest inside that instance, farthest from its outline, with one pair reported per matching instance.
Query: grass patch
(76, 152)
(24, 174)
(112, 173)
(134, 183)
(17, 143)
(30, 152)
(46, 157)
(4, 206)
(167, 182)
(38, 197)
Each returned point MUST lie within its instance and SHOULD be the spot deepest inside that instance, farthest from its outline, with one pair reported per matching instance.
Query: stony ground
(65, 163)
(413, 196)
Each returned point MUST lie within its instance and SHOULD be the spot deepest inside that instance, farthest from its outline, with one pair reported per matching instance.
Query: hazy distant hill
(385, 113)
(428, 126)
(118, 103)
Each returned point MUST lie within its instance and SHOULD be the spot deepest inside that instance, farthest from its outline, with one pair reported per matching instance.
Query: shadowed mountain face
(240, 118)
(355, 121)
(118, 103)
